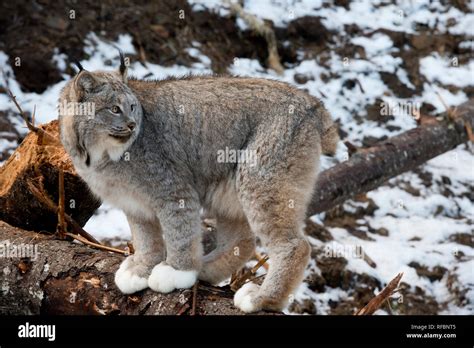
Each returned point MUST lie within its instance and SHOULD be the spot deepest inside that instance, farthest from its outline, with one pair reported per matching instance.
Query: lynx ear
(123, 67)
(85, 82)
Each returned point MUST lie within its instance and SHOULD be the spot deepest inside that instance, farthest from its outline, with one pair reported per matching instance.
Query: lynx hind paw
(128, 281)
(165, 278)
(245, 298)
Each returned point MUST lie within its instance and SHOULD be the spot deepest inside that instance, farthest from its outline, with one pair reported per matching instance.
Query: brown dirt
(159, 35)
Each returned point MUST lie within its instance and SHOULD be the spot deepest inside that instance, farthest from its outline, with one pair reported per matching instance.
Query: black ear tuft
(79, 65)
(123, 66)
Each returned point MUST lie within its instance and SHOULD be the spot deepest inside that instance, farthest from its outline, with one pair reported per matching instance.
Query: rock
(303, 78)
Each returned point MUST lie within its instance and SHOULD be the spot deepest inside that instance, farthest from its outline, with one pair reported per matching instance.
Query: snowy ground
(423, 222)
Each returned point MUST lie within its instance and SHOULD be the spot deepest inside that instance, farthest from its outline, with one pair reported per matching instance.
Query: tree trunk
(36, 163)
(371, 167)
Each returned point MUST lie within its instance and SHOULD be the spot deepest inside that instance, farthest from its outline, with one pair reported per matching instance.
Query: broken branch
(262, 29)
(383, 296)
(96, 245)
(39, 194)
(45, 137)
(247, 275)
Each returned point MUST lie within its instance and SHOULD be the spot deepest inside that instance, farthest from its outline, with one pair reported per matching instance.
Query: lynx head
(99, 115)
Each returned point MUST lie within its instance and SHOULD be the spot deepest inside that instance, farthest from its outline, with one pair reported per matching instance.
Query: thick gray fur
(159, 164)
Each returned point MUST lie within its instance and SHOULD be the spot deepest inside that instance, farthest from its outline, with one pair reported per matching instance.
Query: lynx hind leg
(133, 273)
(235, 245)
(289, 253)
(275, 206)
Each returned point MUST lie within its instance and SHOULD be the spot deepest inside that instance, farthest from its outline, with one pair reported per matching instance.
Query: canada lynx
(164, 150)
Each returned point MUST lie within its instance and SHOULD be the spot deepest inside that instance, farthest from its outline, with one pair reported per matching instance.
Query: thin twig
(453, 115)
(259, 264)
(194, 298)
(452, 112)
(44, 137)
(259, 257)
(360, 86)
(62, 227)
(367, 258)
(378, 300)
(256, 277)
(76, 228)
(213, 289)
(96, 245)
(131, 248)
(237, 283)
(30, 126)
(33, 116)
(183, 309)
(390, 309)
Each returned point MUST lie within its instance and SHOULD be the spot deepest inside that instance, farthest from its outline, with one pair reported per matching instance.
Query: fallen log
(370, 167)
(44, 275)
(29, 184)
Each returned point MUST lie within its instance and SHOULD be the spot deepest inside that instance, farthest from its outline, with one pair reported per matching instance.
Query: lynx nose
(131, 125)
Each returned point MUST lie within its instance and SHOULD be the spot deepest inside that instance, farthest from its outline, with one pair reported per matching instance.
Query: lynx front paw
(131, 276)
(165, 278)
(245, 298)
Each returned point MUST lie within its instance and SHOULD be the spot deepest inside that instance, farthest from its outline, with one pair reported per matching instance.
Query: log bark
(371, 167)
(60, 277)
(36, 163)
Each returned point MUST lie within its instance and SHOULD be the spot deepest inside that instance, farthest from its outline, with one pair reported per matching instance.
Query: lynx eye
(115, 109)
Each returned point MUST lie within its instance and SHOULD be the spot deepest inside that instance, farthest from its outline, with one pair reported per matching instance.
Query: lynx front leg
(133, 273)
(182, 231)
